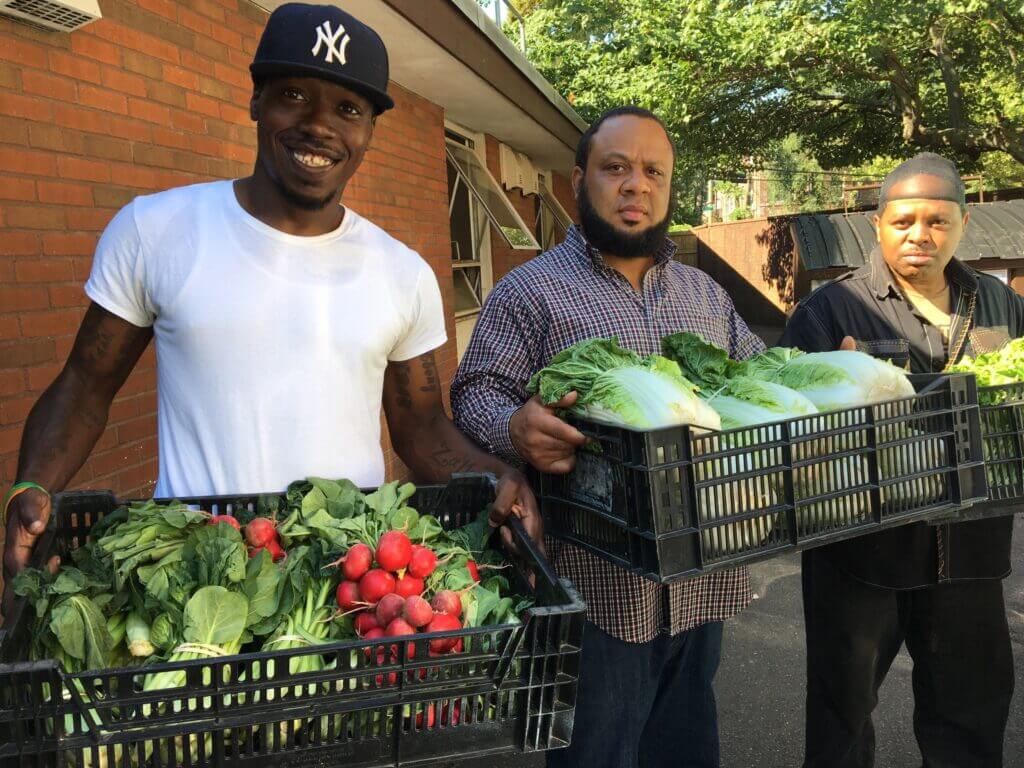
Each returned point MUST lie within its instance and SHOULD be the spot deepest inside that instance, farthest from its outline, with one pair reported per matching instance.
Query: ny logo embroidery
(325, 37)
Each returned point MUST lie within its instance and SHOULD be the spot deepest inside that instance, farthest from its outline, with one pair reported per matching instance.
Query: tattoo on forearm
(430, 371)
(445, 458)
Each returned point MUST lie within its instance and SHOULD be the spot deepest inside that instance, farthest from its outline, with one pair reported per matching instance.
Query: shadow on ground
(761, 681)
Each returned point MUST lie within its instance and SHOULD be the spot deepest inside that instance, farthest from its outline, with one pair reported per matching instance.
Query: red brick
(22, 52)
(237, 77)
(137, 429)
(26, 107)
(233, 114)
(10, 439)
(202, 104)
(25, 353)
(140, 41)
(68, 244)
(15, 410)
(57, 322)
(102, 98)
(86, 44)
(80, 168)
(43, 84)
(12, 188)
(126, 82)
(187, 121)
(91, 219)
(181, 77)
(74, 67)
(34, 217)
(42, 376)
(20, 243)
(12, 382)
(148, 111)
(227, 36)
(206, 146)
(67, 296)
(123, 409)
(65, 194)
(194, 21)
(168, 138)
(22, 298)
(134, 176)
(9, 329)
(164, 8)
(43, 270)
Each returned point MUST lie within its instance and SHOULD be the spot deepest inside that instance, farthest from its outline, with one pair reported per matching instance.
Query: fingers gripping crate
(1002, 437)
(512, 688)
(678, 502)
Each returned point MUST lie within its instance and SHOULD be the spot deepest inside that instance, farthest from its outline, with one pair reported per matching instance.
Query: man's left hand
(514, 496)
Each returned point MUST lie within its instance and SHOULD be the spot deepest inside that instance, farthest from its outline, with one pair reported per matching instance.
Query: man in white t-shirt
(282, 320)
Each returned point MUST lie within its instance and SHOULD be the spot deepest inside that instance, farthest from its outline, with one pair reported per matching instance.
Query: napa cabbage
(833, 380)
(744, 401)
(618, 386)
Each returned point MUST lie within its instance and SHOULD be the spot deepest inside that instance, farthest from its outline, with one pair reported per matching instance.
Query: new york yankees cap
(304, 39)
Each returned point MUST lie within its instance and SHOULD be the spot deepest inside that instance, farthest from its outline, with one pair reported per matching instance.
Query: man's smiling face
(312, 135)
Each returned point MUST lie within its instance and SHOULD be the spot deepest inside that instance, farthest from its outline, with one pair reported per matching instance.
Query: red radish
(399, 628)
(393, 551)
(275, 551)
(430, 717)
(422, 562)
(417, 611)
(375, 584)
(373, 634)
(381, 661)
(407, 586)
(448, 602)
(255, 551)
(349, 596)
(260, 531)
(366, 621)
(389, 608)
(357, 562)
(215, 519)
(473, 570)
(443, 622)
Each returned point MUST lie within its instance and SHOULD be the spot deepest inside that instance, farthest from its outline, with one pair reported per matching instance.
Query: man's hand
(543, 439)
(513, 496)
(26, 520)
(848, 344)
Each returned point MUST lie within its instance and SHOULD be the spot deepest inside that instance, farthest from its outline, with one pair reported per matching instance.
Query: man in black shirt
(938, 589)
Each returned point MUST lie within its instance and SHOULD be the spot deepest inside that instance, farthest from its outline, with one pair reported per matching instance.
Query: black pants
(959, 640)
(645, 704)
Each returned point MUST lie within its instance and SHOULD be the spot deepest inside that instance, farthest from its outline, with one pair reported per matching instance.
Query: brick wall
(154, 95)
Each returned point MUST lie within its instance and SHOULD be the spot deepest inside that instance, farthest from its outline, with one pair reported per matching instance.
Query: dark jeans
(959, 640)
(645, 705)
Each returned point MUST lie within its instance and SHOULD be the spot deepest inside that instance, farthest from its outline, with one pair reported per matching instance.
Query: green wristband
(16, 490)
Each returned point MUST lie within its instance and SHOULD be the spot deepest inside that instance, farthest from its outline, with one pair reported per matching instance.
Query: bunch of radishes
(260, 533)
(384, 590)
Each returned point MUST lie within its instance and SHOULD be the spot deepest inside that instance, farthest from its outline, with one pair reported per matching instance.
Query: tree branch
(950, 78)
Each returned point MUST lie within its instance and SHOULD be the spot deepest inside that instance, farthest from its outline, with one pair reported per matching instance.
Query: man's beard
(301, 201)
(607, 239)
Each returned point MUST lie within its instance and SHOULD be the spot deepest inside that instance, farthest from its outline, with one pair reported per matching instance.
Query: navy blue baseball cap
(306, 40)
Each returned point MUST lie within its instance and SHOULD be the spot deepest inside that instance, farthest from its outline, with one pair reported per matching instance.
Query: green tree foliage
(855, 79)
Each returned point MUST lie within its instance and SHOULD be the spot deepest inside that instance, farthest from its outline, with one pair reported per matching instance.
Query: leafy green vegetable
(617, 386)
(1003, 366)
(706, 365)
(743, 401)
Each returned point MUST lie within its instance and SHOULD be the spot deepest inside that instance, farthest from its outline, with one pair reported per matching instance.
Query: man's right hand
(26, 520)
(543, 439)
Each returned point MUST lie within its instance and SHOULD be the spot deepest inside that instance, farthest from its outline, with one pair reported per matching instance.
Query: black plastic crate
(679, 502)
(512, 688)
(1002, 436)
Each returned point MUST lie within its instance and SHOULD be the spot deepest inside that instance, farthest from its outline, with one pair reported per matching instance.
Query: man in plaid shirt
(649, 652)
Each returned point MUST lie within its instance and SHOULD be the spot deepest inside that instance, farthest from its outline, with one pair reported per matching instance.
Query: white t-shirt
(271, 348)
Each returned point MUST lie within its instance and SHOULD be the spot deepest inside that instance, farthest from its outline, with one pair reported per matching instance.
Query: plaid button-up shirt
(562, 297)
